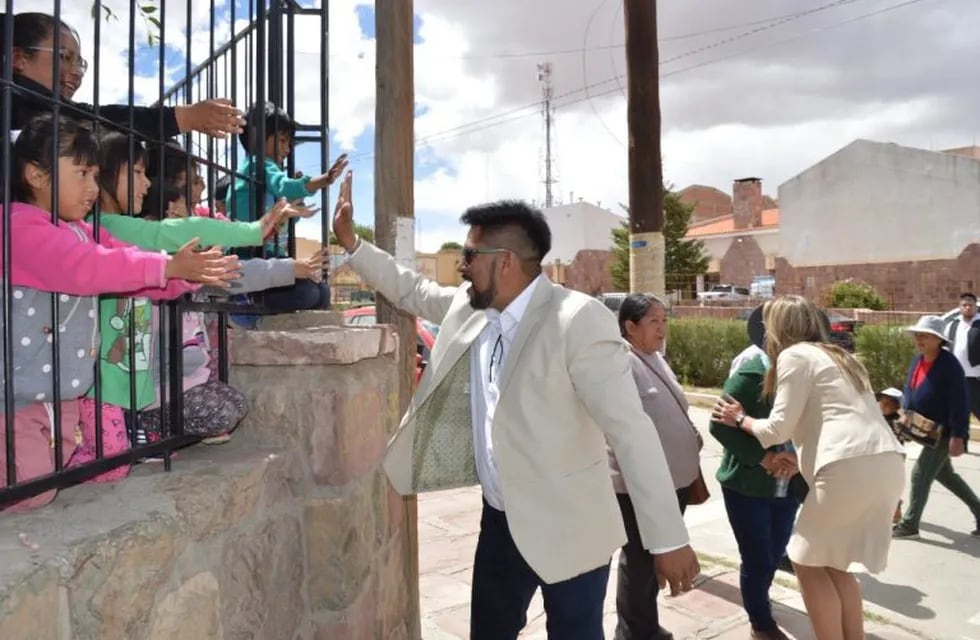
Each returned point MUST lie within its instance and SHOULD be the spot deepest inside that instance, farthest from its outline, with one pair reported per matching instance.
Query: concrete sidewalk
(448, 525)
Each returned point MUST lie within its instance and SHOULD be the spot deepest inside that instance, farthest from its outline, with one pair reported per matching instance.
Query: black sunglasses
(471, 252)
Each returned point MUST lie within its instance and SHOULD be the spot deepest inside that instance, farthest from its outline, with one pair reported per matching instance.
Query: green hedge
(700, 350)
(886, 351)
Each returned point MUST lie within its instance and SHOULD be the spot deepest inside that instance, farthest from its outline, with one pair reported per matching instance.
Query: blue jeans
(305, 294)
(503, 585)
(762, 527)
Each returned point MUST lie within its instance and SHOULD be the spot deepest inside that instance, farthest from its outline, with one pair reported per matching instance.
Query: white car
(724, 293)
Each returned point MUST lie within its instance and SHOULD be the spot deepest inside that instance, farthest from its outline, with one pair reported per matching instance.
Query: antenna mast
(548, 94)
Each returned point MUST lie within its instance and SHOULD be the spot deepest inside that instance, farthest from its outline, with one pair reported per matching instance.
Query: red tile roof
(726, 224)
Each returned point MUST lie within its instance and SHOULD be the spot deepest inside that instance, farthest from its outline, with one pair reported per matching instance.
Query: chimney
(747, 203)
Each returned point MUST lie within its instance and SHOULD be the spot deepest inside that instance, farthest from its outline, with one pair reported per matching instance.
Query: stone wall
(291, 531)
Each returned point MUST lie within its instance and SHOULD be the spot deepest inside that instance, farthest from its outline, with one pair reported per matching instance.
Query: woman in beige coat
(823, 402)
(643, 324)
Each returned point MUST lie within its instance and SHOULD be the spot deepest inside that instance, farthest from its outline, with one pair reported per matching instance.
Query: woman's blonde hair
(792, 319)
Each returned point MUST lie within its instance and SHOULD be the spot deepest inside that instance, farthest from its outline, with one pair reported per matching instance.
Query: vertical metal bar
(97, 231)
(131, 303)
(325, 119)
(291, 105)
(8, 335)
(261, 78)
(55, 302)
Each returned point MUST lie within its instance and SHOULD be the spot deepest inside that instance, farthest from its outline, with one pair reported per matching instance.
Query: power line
(518, 113)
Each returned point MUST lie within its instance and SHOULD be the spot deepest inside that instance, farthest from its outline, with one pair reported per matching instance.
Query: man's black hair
(513, 215)
(966, 295)
(276, 119)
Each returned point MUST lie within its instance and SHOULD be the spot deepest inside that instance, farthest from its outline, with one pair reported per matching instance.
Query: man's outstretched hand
(677, 568)
(343, 215)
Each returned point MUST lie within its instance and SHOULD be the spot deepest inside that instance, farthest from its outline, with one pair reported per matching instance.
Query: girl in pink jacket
(58, 254)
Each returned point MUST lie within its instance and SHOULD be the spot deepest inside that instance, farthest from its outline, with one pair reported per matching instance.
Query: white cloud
(768, 104)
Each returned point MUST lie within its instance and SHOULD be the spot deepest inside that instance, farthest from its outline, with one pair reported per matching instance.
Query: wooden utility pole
(394, 212)
(647, 247)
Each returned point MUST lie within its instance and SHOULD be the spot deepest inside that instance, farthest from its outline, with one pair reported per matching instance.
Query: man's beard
(480, 300)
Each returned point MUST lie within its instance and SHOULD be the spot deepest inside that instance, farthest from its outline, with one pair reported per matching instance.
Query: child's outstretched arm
(54, 258)
(171, 234)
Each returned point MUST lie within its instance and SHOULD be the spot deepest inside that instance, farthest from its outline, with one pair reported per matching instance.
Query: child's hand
(311, 268)
(337, 168)
(207, 267)
(281, 212)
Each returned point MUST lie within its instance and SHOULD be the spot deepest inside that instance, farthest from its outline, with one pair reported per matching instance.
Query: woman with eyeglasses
(35, 44)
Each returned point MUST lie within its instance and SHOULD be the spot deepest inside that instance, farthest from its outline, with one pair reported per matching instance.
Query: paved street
(930, 585)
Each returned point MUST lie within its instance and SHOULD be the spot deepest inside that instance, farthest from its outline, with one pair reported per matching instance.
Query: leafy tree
(684, 258)
(450, 245)
(147, 12)
(854, 294)
(364, 231)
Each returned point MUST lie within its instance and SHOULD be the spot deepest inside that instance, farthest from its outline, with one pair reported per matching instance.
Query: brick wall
(743, 260)
(906, 286)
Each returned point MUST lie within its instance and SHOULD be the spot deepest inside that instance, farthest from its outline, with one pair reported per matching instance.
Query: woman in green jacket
(761, 508)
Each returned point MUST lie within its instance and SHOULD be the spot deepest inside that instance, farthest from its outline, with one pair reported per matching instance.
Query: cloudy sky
(762, 88)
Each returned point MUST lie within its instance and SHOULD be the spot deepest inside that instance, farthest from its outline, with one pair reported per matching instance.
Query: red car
(425, 334)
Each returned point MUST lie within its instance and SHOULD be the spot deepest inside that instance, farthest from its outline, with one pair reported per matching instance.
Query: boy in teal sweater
(279, 129)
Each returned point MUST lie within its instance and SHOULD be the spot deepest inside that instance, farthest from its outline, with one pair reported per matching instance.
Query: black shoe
(901, 531)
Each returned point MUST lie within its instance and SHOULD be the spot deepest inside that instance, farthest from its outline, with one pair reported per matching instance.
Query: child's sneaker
(901, 531)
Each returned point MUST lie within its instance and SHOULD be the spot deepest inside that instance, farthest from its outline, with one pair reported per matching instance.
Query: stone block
(287, 478)
(349, 440)
(261, 581)
(394, 592)
(356, 622)
(340, 534)
(33, 609)
(302, 320)
(319, 345)
(218, 498)
(116, 578)
(341, 415)
(193, 610)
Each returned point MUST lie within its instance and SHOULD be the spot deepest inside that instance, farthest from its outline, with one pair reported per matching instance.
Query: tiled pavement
(448, 526)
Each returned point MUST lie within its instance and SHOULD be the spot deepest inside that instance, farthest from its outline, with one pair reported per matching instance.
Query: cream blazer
(566, 389)
(820, 410)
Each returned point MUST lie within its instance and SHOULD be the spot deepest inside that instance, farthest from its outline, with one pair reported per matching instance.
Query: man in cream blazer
(526, 384)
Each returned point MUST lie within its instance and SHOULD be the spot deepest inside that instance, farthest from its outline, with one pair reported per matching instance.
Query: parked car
(842, 330)
(724, 293)
(762, 287)
(613, 301)
(425, 334)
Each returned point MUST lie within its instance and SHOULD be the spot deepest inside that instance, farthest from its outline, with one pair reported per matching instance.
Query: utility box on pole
(646, 223)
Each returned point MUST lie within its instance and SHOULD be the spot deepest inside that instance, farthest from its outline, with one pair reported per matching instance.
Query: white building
(579, 226)
(905, 220)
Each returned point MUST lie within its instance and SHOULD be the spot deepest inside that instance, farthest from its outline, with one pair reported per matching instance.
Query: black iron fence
(49, 49)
